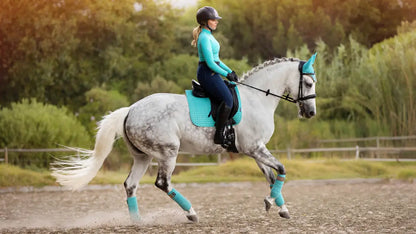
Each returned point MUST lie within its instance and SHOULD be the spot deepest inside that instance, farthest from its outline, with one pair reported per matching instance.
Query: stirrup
(227, 137)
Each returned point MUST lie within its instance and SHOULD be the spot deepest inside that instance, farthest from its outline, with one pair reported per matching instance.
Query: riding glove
(232, 76)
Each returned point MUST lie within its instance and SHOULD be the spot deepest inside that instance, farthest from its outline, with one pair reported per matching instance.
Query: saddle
(198, 91)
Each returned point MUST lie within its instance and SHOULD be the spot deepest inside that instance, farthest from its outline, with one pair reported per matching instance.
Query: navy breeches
(214, 85)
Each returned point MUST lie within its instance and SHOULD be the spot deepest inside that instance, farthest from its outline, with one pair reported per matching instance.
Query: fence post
(357, 152)
(6, 156)
(219, 159)
(289, 156)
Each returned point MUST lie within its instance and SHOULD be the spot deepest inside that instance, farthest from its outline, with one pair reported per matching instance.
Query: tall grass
(391, 72)
(361, 92)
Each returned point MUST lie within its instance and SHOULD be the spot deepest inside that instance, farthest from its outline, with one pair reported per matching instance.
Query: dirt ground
(339, 206)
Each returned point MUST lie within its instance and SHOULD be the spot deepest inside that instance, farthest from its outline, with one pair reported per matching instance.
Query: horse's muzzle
(305, 111)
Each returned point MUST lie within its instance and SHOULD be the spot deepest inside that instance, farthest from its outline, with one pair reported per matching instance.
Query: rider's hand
(232, 76)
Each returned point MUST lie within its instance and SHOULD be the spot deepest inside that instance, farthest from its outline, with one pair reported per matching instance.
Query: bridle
(300, 98)
(300, 93)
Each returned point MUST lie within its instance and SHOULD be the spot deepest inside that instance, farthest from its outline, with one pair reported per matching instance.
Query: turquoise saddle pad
(199, 109)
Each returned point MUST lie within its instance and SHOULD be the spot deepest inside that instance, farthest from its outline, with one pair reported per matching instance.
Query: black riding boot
(222, 117)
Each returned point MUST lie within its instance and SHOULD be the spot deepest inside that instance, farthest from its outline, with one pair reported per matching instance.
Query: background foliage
(31, 124)
(88, 57)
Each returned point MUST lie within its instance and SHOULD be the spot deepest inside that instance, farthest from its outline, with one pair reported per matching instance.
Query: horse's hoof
(192, 218)
(284, 212)
(192, 215)
(268, 203)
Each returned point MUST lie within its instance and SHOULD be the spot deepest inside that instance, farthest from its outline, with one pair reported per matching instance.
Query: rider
(210, 68)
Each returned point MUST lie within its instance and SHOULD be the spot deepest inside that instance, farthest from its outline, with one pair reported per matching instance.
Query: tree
(57, 50)
(100, 102)
(259, 30)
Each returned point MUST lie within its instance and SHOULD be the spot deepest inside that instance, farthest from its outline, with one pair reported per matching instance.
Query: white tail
(75, 173)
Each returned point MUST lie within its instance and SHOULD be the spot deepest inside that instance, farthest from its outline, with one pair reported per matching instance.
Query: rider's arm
(209, 57)
(223, 66)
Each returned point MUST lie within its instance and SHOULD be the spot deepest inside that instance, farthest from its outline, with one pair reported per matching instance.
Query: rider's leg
(215, 87)
(222, 117)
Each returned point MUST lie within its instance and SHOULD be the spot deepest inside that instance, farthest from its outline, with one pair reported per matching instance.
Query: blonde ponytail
(195, 34)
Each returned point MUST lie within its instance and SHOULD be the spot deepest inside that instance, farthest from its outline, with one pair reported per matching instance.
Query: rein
(267, 92)
(287, 98)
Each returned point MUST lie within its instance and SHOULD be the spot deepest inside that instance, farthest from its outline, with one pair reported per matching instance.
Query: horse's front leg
(271, 178)
(267, 162)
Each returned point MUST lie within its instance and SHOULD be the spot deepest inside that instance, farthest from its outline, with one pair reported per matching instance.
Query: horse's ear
(308, 68)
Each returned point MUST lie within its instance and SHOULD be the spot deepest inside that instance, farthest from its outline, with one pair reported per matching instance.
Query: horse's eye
(308, 85)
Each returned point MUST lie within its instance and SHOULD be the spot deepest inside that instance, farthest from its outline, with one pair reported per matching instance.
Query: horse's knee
(281, 169)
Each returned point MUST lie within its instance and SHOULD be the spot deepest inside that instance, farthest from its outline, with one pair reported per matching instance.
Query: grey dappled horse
(159, 126)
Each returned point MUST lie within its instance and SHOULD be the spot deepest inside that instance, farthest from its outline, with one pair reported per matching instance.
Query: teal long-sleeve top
(209, 52)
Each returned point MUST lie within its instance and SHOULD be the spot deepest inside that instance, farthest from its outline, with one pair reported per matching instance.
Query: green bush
(239, 66)
(157, 85)
(180, 69)
(31, 124)
(99, 103)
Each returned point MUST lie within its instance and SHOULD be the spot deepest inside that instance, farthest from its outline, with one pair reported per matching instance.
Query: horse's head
(285, 76)
(305, 88)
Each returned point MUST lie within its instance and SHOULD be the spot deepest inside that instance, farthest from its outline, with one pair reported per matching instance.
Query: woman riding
(210, 68)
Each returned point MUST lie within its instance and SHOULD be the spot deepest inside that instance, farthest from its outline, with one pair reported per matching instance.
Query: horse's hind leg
(141, 162)
(163, 182)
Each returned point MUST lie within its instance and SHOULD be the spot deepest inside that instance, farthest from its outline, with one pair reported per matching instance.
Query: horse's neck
(273, 77)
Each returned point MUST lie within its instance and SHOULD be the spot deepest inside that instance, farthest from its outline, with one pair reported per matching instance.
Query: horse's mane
(266, 64)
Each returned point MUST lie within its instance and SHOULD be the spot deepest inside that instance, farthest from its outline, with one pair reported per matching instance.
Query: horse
(159, 126)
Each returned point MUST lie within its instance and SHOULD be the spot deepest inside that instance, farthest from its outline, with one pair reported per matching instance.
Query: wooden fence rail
(289, 152)
(6, 151)
(377, 140)
(358, 150)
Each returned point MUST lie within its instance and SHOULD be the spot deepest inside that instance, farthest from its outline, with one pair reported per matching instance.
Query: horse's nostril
(311, 113)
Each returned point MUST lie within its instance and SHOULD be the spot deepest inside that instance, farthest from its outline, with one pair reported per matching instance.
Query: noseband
(300, 98)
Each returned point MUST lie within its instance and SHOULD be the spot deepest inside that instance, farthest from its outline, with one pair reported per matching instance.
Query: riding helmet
(206, 13)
